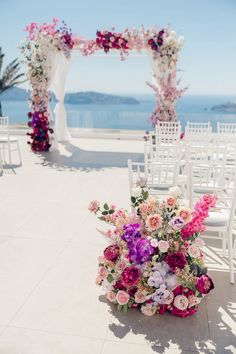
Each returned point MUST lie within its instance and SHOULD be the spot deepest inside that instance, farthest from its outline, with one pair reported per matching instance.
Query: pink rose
(199, 242)
(170, 202)
(93, 206)
(185, 214)
(122, 297)
(154, 242)
(140, 297)
(102, 272)
(163, 246)
(194, 251)
(111, 296)
(120, 266)
(181, 302)
(154, 222)
(148, 310)
(98, 280)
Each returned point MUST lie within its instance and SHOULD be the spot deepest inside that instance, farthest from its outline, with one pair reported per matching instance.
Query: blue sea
(131, 117)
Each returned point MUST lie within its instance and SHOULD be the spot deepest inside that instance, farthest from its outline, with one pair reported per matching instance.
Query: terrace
(48, 259)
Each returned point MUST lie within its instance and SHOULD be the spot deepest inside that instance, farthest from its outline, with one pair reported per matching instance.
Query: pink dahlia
(111, 253)
(130, 276)
(175, 260)
(204, 284)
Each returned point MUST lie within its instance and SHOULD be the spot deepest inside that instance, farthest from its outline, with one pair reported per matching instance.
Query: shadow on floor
(211, 330)
(80, 159)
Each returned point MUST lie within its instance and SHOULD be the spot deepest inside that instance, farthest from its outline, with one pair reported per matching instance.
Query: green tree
(10, 76)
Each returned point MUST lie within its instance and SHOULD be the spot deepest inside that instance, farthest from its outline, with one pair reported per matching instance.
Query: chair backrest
(198, 127)
(209, 179)
(168, 132)
(162, 152)
(226, 128)
(157, 175)
(4, 125)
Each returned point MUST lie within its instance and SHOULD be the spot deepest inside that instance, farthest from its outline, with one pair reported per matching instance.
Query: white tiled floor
(49, 303)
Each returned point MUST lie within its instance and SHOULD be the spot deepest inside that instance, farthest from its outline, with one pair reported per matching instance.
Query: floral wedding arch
(47, 51)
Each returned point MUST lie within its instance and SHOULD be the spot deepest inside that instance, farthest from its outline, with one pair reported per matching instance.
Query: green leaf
(105, 212)
(111, 211)
(119, 307)
(133, 199)
(110, 278)
(125, 308)
(105, 206)
(203, 271)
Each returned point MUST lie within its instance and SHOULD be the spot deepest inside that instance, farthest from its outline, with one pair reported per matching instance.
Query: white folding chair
(198, 132)
(226, 128)
(219, 181)
(198, 127)
(168, 132)
(158, 177)
(7, 141)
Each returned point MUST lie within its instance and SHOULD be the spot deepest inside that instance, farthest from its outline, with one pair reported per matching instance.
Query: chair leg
(9, 154)
(3, 150)
(223, 244)
(231, 263)
(18, 147)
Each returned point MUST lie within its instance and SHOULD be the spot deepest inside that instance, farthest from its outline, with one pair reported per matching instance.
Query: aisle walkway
(49, 245)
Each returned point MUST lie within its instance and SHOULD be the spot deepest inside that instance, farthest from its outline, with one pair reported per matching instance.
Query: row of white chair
(170, 132)
(202, 178)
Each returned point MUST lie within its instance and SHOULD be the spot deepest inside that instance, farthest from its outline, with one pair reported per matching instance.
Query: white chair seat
(182, 179)
(4, 139)
(218, 218)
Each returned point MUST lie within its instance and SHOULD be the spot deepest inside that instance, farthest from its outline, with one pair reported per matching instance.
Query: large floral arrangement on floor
(39, 50)
(154, 260)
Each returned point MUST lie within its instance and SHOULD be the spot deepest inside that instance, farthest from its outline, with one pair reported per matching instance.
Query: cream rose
(136, 192)
(181, 302)
(154, 242)
(163, 246)
(140, 297)
(193, 300)
(169, 299)
(148, 310)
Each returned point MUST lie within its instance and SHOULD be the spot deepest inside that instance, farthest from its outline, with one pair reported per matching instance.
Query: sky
(207, 60)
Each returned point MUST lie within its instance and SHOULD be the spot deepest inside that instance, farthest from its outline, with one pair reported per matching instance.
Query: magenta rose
(175, 260)
(204, 284)
(130, 276)
(111, 253)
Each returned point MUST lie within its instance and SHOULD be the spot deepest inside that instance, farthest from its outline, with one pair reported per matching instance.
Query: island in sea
(229, 107)
(87, 97)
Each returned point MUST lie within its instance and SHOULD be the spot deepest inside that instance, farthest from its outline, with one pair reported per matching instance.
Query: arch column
(61, 129)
